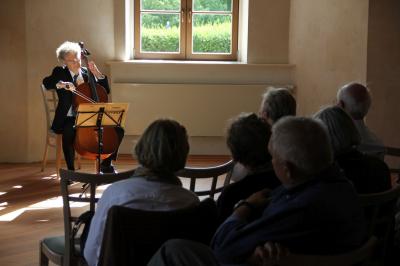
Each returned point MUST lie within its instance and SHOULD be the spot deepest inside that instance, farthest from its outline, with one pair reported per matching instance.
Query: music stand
(98, 116)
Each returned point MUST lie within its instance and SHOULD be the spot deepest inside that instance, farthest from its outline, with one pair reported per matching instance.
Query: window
(186, 29)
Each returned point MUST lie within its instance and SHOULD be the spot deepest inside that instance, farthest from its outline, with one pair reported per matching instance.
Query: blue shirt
(321, 216)
(138, 193)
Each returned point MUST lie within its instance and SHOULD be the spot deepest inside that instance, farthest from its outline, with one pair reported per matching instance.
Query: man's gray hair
(342, 131)
(277, 103)
(303, 142)
(68, 47)
(356, 99)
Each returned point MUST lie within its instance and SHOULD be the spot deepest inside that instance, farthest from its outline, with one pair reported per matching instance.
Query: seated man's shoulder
(325, 190)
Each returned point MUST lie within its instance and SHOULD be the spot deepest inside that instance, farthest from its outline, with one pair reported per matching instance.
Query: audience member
(276, 103)
(356, 100)
(305, 214)
(161, 151)
(368, 174)
(247, 139)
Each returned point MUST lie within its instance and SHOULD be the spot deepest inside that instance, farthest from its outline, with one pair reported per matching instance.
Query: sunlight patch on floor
(42, 221)
(48, 177)
(55, 202)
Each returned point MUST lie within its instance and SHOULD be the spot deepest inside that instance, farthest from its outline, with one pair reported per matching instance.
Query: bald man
(356, 100)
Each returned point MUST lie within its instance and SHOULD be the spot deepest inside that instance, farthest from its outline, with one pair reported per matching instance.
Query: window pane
(160, 33)
(161, 5)
(212, 5)
(212, 33)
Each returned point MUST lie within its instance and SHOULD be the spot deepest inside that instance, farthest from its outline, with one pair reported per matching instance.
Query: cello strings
(84, 96)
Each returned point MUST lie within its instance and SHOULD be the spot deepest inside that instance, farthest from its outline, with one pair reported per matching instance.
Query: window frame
(186, 36)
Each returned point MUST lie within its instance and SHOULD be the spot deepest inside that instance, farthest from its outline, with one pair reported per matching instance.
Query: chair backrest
(214, 172)
(356, 257)
(379, 209)
(387, 152)
(132, 236)
(50, 101)
(92, 181)
(394, 152)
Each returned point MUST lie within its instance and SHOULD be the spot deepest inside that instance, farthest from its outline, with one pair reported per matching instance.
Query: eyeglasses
(73, 61)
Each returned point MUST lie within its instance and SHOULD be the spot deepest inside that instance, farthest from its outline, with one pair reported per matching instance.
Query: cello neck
(91, 79)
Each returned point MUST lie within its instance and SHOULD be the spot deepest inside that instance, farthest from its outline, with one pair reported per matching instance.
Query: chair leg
(46, 149)
(79, 161)
(96, 166)
(58, 153)
(43, 260)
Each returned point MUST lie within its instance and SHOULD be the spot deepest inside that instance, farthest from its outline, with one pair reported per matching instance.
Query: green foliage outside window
(212, 38)
(201, 5)
(161, 5)
(212, 5)
(160, 32)
(207, 38)
(160, 40)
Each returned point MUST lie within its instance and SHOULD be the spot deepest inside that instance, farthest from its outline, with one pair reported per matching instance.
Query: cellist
(63, 80)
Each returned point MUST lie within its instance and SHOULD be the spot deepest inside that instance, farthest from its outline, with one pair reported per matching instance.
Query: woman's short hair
(248, 137)
(342, 131)
(277, 103)
(303, 142)
(68, 47)
(163, 147)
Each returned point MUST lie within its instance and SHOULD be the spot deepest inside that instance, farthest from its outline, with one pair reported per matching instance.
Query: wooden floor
(31, 206)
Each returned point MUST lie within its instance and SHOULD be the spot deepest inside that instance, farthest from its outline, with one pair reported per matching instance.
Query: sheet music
(114, 114)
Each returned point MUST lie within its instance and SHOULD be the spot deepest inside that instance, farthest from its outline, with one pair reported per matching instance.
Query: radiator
(204, 109)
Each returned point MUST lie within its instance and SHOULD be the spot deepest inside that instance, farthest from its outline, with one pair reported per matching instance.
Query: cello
(93, 142)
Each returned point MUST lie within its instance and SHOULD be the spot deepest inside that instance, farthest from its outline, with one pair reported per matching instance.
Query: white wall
(13, 85)
(328, 44)
(383, 71)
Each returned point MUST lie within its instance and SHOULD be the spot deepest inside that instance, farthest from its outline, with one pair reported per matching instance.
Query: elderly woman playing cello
(64, 80)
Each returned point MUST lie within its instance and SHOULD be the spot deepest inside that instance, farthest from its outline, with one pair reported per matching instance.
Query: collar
(73, 74)
(150, 175)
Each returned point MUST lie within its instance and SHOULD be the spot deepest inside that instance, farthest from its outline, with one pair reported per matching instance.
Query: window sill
(193, 62)
(199, 72)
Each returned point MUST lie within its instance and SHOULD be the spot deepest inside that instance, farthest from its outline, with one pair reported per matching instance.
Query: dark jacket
(65, 97)
(367, 173)
(244, 188)
(322, 216)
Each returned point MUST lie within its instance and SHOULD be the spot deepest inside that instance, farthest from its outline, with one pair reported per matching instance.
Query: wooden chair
(53, 140)
(387, 152)
(380, 211)
(394, 152)
(65, 250)
(195, 173)
(132, 236)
